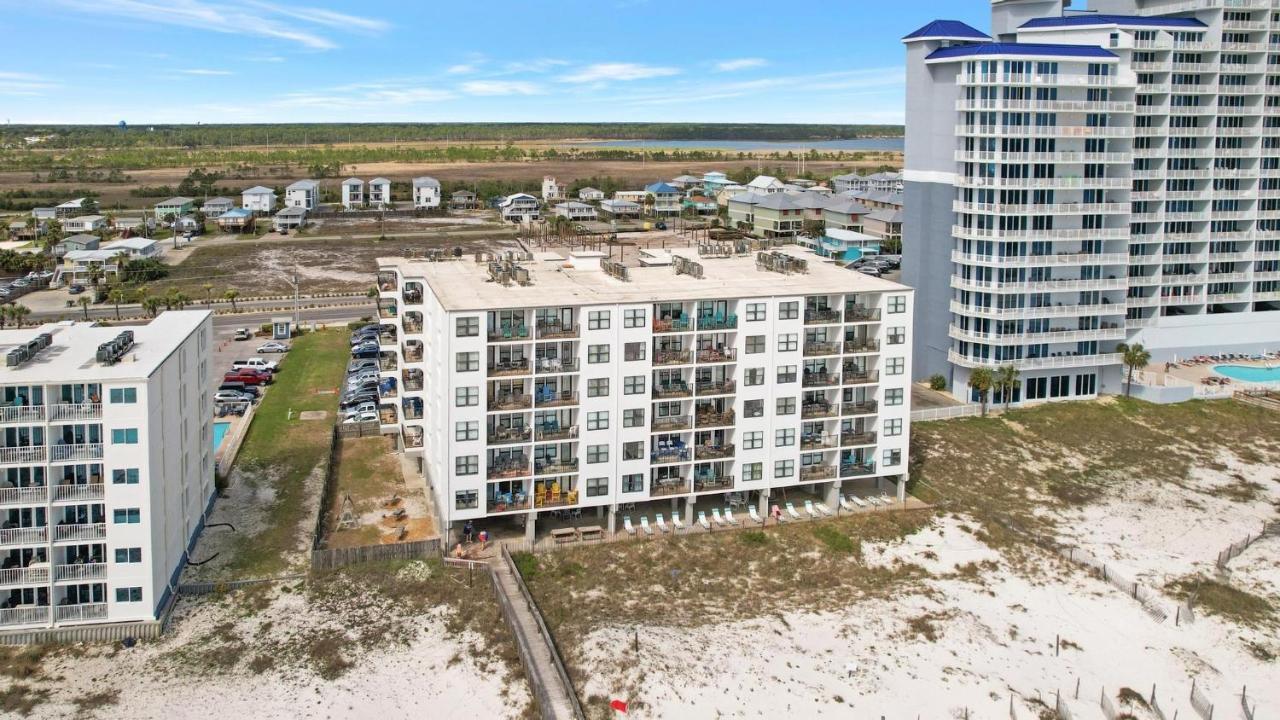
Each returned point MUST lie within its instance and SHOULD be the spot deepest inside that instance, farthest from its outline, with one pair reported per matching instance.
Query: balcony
(554, 432)
(866, 407)
(508, 436)
(669, 486)
(412, 439)
(714, 419)
(810, 473)
(704, 483)
(24, 495)
(499, 502)
(858, 313)
(80, 531)
(848, 470)
(552, 329)
(25, 576)
(857, 438)
(24, 535)
(812, 410)
(29, 454)
(25, 615)
(671, 424)
(509, 368)
(860, 378)
(509, 333)
(718, 322)
(672, 390)
(509, 468)
(815, 349)
(85, 611)
(556, 467)
(666, 454)
(76, 451)
(818, 441)
(672, 357)
(716, 387)
(713, 452)
(388, 363)
(22, 414)
(717, 355)
(551, 366)
(86, 571)
(92, 491)
(820, 379)
(551, 398)
(672, 325)
(821, 316)
(510, 402)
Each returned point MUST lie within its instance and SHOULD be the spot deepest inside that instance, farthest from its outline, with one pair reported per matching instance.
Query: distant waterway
(850, 145)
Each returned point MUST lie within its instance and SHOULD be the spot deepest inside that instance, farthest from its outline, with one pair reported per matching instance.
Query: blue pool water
(219, 432)
(1248, 373)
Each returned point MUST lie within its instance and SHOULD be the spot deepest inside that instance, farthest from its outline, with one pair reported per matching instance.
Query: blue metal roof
(1123, 20)
(1037, 49)
(660, 187)
(947, 29)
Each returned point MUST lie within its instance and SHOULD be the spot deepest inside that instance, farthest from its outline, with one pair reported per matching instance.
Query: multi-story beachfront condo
(1085, 179)
(106, 468)
(570, 383)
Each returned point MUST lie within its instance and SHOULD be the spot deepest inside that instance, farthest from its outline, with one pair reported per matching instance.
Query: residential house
(236, 220)
(776, 215)
(844, 213)
(877, 182)
(885, 224)
(742, 209)
(714, 181)
(44, 214)
(635, 196)
(426, 193)
(78, 265)
(134, 224)
(188, 225)
(19, 230)
(724, 194)
(685, 182)
(138, 248)
(576, 210)
(258, 199)
(303, 194)
(811, 204)
(352, 194)
(214, 207)
(463, 200)
(71, 208)
(73, 243)
(590, 194)
(84, 224)
(666, 198)
(551, 190)
(379, 192)
(290, 218)
(766, 184)
(700, 205)
(843, 245)
(619, 209)
(519, 208)
(174, 206)
(851, 182)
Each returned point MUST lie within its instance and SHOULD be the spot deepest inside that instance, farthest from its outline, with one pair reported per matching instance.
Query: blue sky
(158, 61)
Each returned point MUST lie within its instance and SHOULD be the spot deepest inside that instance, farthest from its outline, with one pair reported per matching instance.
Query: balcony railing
(820, 379)
(558, 467)
(508, 333)
(86, 611)
(672, 390)
(509, 469)
(712, 482)
(557, 433)
(510, 402)
(412, 440)
(513, 367)
(87, 571)
(719, 355)
(716, 387)
(718, 322)
(817, 410)
(91, 491)
(557, 399)
(76, 451)
(669, 326)
(507, 436)
(663, 488)
(556, 329)
(80, 531)
(30, 454)
(555, 365)
(714, 419)
(25, 576)
(671, 455)
(20, 495)
(857, 438)
(821, 316)
(812, 349)
(413, 353)
(713, 452)
(818, 441)
(860, 378)
(24, 536)
(22, 414)
(24, 615)
(672, 357)
(857, 313)
(817, 472)
(507, 502)
(671, 424)
(861, 346)
(857, 469)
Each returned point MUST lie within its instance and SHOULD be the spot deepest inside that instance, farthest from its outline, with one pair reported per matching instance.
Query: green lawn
(281, 451)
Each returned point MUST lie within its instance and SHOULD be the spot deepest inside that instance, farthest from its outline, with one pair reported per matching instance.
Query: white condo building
(106, 468)
(1076, 180)
(571, 383)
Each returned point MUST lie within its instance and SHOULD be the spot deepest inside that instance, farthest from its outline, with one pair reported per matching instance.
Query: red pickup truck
(248, 377)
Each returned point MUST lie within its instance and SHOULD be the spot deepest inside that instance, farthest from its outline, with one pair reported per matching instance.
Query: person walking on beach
(469, 532)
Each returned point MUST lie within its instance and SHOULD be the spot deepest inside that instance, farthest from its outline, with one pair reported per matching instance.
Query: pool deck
(225, 454)
(1195, 374)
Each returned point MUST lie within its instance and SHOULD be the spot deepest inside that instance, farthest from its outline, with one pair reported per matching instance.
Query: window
(598, 420)
(897, 304)
(753, 440)
(129, 594)
(633, 318)
(634, 352)
(466, 500)
(468, 326)
(753, 408)
(466, 396)
(786, 406)
(755, 344)
(124, 476)
(124, 436)
(633, 450)
(895, 366)
(126, 516)
(632, 483)
(597, 353)
(124, 395)
(633, 417)
(597, 453)
(597, 487)
(128, 555)
(598, 320)
(466, 465)
(756, 312)
(891, 458)
(633, 385)
(789, 310)
(753, 471)
(785, 437)
(468, 361)
(788, 342)
(892, 427)
(467, 430)
(598, 387)
(784, 468)
(786, 373)
(897, 335)
(753, 376)
(893, 396)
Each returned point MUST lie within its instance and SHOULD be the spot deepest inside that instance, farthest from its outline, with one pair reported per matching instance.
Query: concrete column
(902, 488)
(599, 511)
(530, 528)
(832, 496)
(688, 510)
(613, 518)
(763, 508)
(675, 506)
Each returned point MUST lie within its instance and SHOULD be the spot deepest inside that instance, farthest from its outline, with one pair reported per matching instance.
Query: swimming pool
(1249, 373)
(219, 432)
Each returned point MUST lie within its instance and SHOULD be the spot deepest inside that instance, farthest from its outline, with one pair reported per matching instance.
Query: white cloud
(205, 71)
(501, 87)
(538, 65)
(323, 17)
(401, 93)
(603, 72)
(460, 69)
(23, 84)
(740, 64)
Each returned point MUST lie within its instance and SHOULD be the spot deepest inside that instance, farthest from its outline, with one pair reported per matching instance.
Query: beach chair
(729, 518)
(872, 500)
(626, 525)
(822, 508)
(810, 510)
(845, 504)
(755, 516)
(644, 525)
(662, 524)
(858, 502)
(702, 520)
(715, 515)
(791, 510)
(676, 523)
(887, 501)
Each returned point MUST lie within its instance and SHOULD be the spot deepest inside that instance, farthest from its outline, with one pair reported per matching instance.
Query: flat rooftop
(73, 355)
(462, 285)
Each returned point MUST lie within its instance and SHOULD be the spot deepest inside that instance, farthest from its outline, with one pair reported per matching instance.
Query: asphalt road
(330, 308)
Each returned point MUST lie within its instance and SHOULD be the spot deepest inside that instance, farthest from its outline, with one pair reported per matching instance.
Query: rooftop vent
(109, 353)
(781, 263)
(506, 271)
(715, 249)
(616, 270)
(685, 266)
(27, 350)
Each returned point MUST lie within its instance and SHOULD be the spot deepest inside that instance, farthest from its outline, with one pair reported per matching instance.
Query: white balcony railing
(25, 576)
(16, 455)
(80, 531)
(24, 536)
(77, 451)
(22, 495)
(75, 411)
(22, 414)
(86, 611)
(87, 571)
(93, 491)
(25, 615)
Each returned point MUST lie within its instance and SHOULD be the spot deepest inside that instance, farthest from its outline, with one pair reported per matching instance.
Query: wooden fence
(1234, 549)
(1147, 599)
(1200, 702)
(370, 428)
(557, 658)
(333, 558)
(1060, 708)
(327, 492)
(221, 586)
(1244, 704)
(1108, 707)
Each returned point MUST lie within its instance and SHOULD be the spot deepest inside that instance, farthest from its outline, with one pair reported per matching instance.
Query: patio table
(564, 535)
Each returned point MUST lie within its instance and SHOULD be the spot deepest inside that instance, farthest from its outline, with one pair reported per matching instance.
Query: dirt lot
(369, 475)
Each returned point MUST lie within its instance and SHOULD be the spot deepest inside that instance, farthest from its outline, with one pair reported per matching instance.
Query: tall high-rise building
(1080, 179)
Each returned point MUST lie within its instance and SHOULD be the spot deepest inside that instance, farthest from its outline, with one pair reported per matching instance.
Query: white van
(255, 363)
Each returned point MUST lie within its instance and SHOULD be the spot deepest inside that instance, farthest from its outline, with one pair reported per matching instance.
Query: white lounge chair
(702, 520)
(822, 508)
(662, 524)
(676, 523)
(755, 516)
(715, 515)
(808, 508)
(626, 525)
(858, 501)
(791, 510)
(729, 518)
(887, 501)
(872, 500)
(845, 504)
(644, 525)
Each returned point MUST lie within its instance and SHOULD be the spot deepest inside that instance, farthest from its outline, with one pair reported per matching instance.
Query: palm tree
(19, 313)
(1136, 357)
(84, 306)
(1006, 382)
(5, 314)
(208, 293)
(95, 275)
(181, 300)
(151, 304)
(981, 380)
(117, 296)
(231, 294)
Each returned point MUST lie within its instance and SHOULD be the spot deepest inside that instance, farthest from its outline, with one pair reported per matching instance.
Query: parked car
(365, 347)
(248, 377)
(357, 399)
(360, 418)
(240, 387)
(358, 365)
(362, 408)
(273, 347)
(360, 336)
(21, 283)
(226, 396)
(364, 353)
(869, 270)
(75, 289)
(256, 363)
(243, 334)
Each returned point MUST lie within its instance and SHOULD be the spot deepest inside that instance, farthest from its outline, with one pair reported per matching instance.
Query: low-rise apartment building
(576, 210)
(426, 193)
(574, 384)
(520, 208)
(352, 193)
(106, 468)
(379, 192)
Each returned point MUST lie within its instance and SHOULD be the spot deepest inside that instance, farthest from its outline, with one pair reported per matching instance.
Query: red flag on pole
(619, 705)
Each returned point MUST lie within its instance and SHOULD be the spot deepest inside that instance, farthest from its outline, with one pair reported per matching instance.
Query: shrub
(937, 382)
